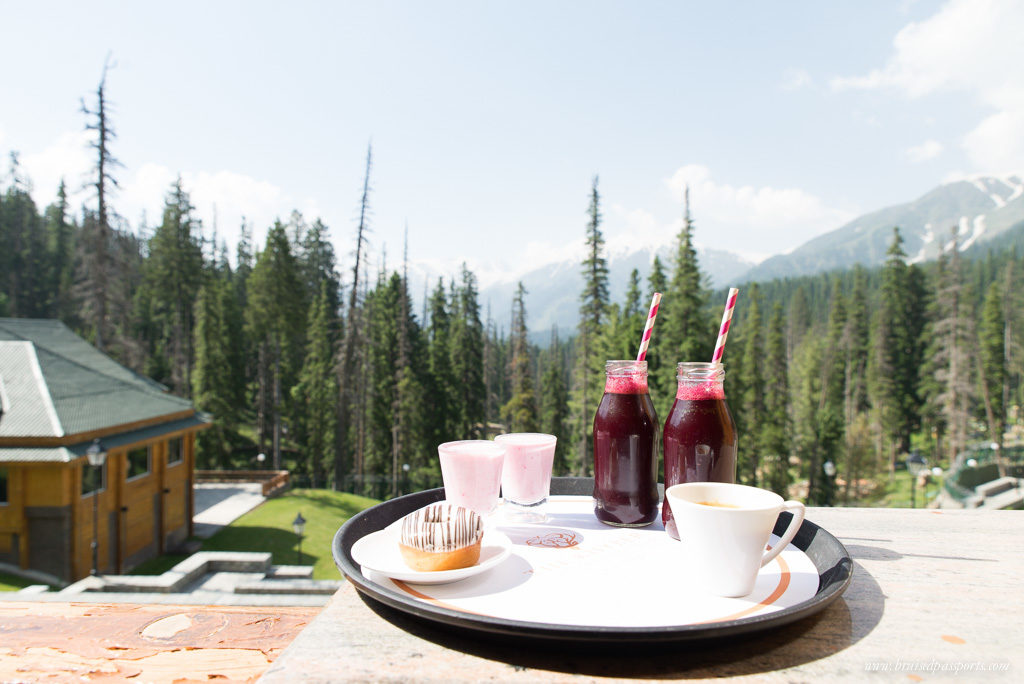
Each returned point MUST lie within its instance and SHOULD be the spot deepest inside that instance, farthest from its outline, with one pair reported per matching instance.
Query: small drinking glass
(526, 476)
(471, 470)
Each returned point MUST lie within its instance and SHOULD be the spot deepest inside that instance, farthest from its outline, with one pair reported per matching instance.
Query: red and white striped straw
(723, 332)
(651, 315)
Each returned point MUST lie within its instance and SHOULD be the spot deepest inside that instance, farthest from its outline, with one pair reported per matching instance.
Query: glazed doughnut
(441, 536)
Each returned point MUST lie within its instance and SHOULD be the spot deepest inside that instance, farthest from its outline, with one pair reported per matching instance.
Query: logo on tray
(555, 540)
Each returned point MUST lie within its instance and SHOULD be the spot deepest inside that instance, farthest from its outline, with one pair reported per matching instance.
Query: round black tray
(835, 568)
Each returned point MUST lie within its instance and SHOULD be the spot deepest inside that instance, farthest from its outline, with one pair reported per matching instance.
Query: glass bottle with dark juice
(699, 436)
(625, 448)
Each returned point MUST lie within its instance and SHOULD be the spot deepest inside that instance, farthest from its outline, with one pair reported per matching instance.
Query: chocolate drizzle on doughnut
(441, 527)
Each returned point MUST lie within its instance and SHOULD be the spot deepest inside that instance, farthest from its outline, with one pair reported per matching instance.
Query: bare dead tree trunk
(261, 397)
(98, 272)
(277, 404)
(345, 371)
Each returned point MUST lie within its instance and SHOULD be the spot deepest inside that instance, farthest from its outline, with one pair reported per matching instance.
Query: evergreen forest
(325, 365)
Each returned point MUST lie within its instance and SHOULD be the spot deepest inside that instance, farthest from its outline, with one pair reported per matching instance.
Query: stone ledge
(290, 586)
(174, 580)
(290, 572)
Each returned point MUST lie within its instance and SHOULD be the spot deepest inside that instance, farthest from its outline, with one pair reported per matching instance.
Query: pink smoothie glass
(526, 477)
(471, 470)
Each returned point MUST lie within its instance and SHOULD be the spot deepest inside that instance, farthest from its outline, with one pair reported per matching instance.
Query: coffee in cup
(724, 528)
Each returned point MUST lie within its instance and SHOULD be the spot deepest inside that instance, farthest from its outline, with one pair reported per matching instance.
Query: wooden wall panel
(11, 513)
(82, 518)
(48, 485)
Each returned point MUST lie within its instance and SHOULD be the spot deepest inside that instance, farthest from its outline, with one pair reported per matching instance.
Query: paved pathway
(221, 503)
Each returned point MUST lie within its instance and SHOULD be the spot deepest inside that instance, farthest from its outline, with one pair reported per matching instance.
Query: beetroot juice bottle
(699, 436)
(625, 448)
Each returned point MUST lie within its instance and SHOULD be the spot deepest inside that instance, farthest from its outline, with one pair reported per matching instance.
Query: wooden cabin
(58, 394)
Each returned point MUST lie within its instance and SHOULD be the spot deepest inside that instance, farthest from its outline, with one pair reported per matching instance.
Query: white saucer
(378, 551)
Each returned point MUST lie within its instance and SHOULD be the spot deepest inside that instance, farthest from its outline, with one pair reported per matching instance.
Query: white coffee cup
(724, 529)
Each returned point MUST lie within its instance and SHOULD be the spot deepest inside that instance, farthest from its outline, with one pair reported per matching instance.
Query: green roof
(53, 383)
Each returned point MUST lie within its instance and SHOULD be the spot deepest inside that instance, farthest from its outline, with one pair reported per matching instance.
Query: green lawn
(269, 528)
(13, 583)
(896, 494)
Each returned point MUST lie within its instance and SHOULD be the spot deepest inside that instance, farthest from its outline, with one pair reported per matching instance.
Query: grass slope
(269, 528)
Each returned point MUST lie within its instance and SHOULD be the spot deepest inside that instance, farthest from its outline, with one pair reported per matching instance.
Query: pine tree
(554, 402)
(467, 359)
(896, 354)
(831, 405)
(587, 375)
(274, 319)
(684, 326)
(857, 342)
(442, 382)
(624, 327)
(495, 380)
(858, 346)
(61, 272)
(171, 279)
(217, 384)
(633, 306)
(798, 319)
(23, 258)
(751, 401)
(992, 359)
(316, 392)
(775, 439)
(520, 413)
(318, 269)
(656, 280)
(395, 402)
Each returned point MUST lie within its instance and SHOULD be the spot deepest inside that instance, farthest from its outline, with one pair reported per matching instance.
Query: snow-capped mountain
(980, 208)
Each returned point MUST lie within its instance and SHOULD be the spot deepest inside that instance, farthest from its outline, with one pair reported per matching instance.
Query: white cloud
(752, 221)
(997, 143)
(929, 149)
(68, 158)
(970, 46)
(795, 79)
(632, 229)
(226, 194)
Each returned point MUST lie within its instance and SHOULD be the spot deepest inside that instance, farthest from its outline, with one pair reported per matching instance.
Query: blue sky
(488, 120)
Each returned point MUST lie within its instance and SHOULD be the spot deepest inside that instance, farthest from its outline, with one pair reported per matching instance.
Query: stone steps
(995, 487)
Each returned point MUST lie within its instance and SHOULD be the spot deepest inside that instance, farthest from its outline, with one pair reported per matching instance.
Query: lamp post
(936, 473)
(299, 525)
(260, 458)
(97, 456)
(830, 472)
(915, 464)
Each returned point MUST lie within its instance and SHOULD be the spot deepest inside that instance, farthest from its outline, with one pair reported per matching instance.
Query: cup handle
(797, 509)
